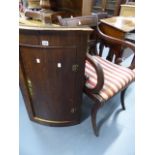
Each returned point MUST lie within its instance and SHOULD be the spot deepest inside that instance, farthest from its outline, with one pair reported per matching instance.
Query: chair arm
(100, 75)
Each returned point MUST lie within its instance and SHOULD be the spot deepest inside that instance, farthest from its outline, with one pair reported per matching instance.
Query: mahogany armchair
(105, 79)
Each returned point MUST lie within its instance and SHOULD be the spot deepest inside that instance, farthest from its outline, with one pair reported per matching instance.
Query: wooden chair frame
(114, 44)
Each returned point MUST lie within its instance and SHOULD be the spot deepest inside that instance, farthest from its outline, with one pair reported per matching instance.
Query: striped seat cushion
(115, 77)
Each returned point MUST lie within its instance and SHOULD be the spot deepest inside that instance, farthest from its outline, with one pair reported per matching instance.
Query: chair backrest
(115, 46)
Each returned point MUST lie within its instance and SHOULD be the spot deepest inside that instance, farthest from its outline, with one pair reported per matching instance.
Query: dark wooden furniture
(117, 27)
(90, 20)
(50, 9)
(104, 78)
(76, 7)
(52, 73)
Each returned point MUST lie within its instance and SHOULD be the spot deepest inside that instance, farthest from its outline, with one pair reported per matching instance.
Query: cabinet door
(51, 77)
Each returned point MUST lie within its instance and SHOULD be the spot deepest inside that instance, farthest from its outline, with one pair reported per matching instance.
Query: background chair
(105, 79)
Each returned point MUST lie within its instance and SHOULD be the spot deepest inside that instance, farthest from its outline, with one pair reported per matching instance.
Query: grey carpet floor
(116, 131)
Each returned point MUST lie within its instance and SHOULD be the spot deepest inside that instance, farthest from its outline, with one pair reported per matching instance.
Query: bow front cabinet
(52, 62)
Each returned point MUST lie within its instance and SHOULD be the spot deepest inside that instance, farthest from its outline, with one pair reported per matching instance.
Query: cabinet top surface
(35, 25)
(26, 27)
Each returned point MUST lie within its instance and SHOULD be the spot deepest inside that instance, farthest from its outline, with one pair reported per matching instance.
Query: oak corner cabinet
(51, 73)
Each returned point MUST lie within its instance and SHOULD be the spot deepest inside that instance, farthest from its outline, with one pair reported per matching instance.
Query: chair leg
(122, 98)
(93, 118)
